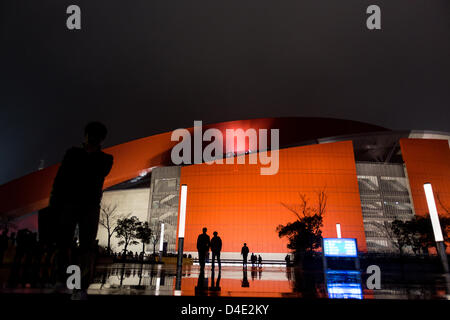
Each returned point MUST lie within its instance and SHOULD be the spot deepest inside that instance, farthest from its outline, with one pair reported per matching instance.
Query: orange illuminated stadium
(428, 161)
(247, 207)
(371, 175)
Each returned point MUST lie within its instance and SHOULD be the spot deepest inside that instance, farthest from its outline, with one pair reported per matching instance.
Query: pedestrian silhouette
(216, 247)
(75, 200)
(288, 260)
(253, 259)
(244, 253)
(203, 245)
(259, 261)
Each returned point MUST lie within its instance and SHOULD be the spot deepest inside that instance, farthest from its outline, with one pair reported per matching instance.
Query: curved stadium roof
(137, 157)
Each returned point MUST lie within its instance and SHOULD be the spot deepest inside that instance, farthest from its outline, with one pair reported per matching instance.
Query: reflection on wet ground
(266, 281)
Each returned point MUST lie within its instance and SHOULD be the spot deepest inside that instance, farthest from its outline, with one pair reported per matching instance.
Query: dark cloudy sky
(147, 66)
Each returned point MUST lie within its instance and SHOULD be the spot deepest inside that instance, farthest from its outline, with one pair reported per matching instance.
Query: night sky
(145, 66)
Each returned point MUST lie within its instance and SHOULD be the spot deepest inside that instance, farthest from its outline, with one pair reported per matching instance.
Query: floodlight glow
(161, 239)
(433, 212)
(158, 285)
(181, 225)
(338, 230)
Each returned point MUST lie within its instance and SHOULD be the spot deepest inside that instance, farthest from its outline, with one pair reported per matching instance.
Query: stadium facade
(370, 175)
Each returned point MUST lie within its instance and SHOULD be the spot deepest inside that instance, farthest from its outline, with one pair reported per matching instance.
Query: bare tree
(154, 237)
(304, 234)
(108, 219)
(299, 210)
(388, 230)
(322, 199)
(304, 209)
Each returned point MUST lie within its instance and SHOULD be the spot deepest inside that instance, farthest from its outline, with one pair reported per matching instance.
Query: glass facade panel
(164, 196)
(384, 198)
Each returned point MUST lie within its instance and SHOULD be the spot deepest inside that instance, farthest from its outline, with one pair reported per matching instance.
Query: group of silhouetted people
(29, 262)
(128, 256)
(75, 201)
(204, 244)
(254, 259)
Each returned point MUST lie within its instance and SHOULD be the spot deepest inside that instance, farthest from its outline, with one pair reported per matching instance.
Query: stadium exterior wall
(244, 206)
(428, 160)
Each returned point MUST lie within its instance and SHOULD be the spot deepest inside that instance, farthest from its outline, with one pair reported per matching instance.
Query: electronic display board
(340, 247)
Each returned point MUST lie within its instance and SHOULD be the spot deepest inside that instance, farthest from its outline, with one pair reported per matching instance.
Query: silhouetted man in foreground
(203, 244)
(244, 253)
(75, 199)
(216, 247)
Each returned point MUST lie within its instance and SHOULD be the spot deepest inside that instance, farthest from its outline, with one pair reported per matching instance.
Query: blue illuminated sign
(344, 291)
(344, 285)
(340, 247)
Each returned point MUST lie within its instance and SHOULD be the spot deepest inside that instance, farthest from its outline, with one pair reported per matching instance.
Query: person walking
(216, 247)
(203, 245)
(75, 200)
(244, 253)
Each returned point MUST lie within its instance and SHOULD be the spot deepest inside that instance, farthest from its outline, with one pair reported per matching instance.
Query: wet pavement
(266, 281)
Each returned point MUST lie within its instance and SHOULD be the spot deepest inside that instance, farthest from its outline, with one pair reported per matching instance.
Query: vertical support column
(338, 230)
(357, 263)
(158, 280)
(324, 259)
(179, 264)
(436, 226)
(443, 255)
(161, 242)
(181, 229)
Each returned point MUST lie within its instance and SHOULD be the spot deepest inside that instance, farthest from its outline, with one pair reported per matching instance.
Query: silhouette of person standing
(203, 244)
(253, 259)
(216, 247)
(75, 198)
(245, 283)
(244, 253)
(288, 260)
